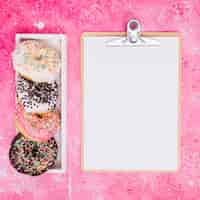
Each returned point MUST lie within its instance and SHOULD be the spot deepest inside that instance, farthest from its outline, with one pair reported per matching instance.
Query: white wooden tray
(59, 42)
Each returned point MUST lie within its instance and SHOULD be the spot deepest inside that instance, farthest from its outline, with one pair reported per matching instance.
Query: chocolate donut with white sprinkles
(37, 97)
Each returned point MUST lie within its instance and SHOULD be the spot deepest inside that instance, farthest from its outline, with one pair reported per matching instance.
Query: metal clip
(133, 37)
(133, 30)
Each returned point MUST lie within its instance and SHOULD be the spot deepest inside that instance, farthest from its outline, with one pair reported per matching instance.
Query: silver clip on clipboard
(133, 38)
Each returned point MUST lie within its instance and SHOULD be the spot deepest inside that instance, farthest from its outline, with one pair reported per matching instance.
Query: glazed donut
(32, 158)
(37, 127)
(36, 61)
(37, 97)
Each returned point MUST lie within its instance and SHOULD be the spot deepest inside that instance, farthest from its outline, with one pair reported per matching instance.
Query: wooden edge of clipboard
(179, 107)
(145, 34)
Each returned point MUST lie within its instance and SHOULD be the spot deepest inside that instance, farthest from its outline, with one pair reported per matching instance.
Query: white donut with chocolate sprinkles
(37, 97)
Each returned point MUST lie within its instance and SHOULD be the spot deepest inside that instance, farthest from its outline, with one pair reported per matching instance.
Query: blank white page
(130, 105)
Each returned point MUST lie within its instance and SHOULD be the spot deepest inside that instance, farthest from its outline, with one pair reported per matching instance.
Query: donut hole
(39, 116)
(35, 151)
(39, 57)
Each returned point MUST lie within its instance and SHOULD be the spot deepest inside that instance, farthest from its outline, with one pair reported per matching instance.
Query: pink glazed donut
(37, 127)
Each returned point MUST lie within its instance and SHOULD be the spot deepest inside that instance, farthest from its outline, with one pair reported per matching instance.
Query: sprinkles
(32, 158)
(37, 96)
(34, 150)
(37, 61)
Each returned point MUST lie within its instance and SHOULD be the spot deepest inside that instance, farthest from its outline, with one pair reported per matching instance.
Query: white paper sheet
(130, 105)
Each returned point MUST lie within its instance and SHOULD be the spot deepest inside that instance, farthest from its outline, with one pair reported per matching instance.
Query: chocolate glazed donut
(32, 158)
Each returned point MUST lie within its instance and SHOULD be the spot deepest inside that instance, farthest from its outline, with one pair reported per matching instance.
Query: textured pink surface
(72, 18)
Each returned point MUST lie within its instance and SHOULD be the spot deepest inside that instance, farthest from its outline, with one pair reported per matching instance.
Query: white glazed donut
(34, 60)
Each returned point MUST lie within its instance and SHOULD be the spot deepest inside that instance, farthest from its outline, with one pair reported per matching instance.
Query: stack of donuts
(37, 65)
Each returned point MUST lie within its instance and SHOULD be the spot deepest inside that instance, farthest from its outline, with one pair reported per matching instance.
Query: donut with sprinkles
(38, 127)
(36, 61)
(32, 158)
(37, 97)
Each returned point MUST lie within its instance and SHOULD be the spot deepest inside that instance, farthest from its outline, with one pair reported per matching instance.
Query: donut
(37, 97)
(36, 61)
(38, 127)
(32, 158)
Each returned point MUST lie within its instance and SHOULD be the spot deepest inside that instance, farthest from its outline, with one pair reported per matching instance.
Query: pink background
(72, 18)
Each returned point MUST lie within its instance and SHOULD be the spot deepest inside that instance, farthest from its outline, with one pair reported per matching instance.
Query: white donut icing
(34, 60)
(37, 97)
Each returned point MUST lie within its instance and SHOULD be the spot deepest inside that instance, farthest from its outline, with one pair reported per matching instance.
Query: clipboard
(99, 155)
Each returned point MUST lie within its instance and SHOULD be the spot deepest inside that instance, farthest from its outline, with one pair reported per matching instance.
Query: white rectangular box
(59, 42)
